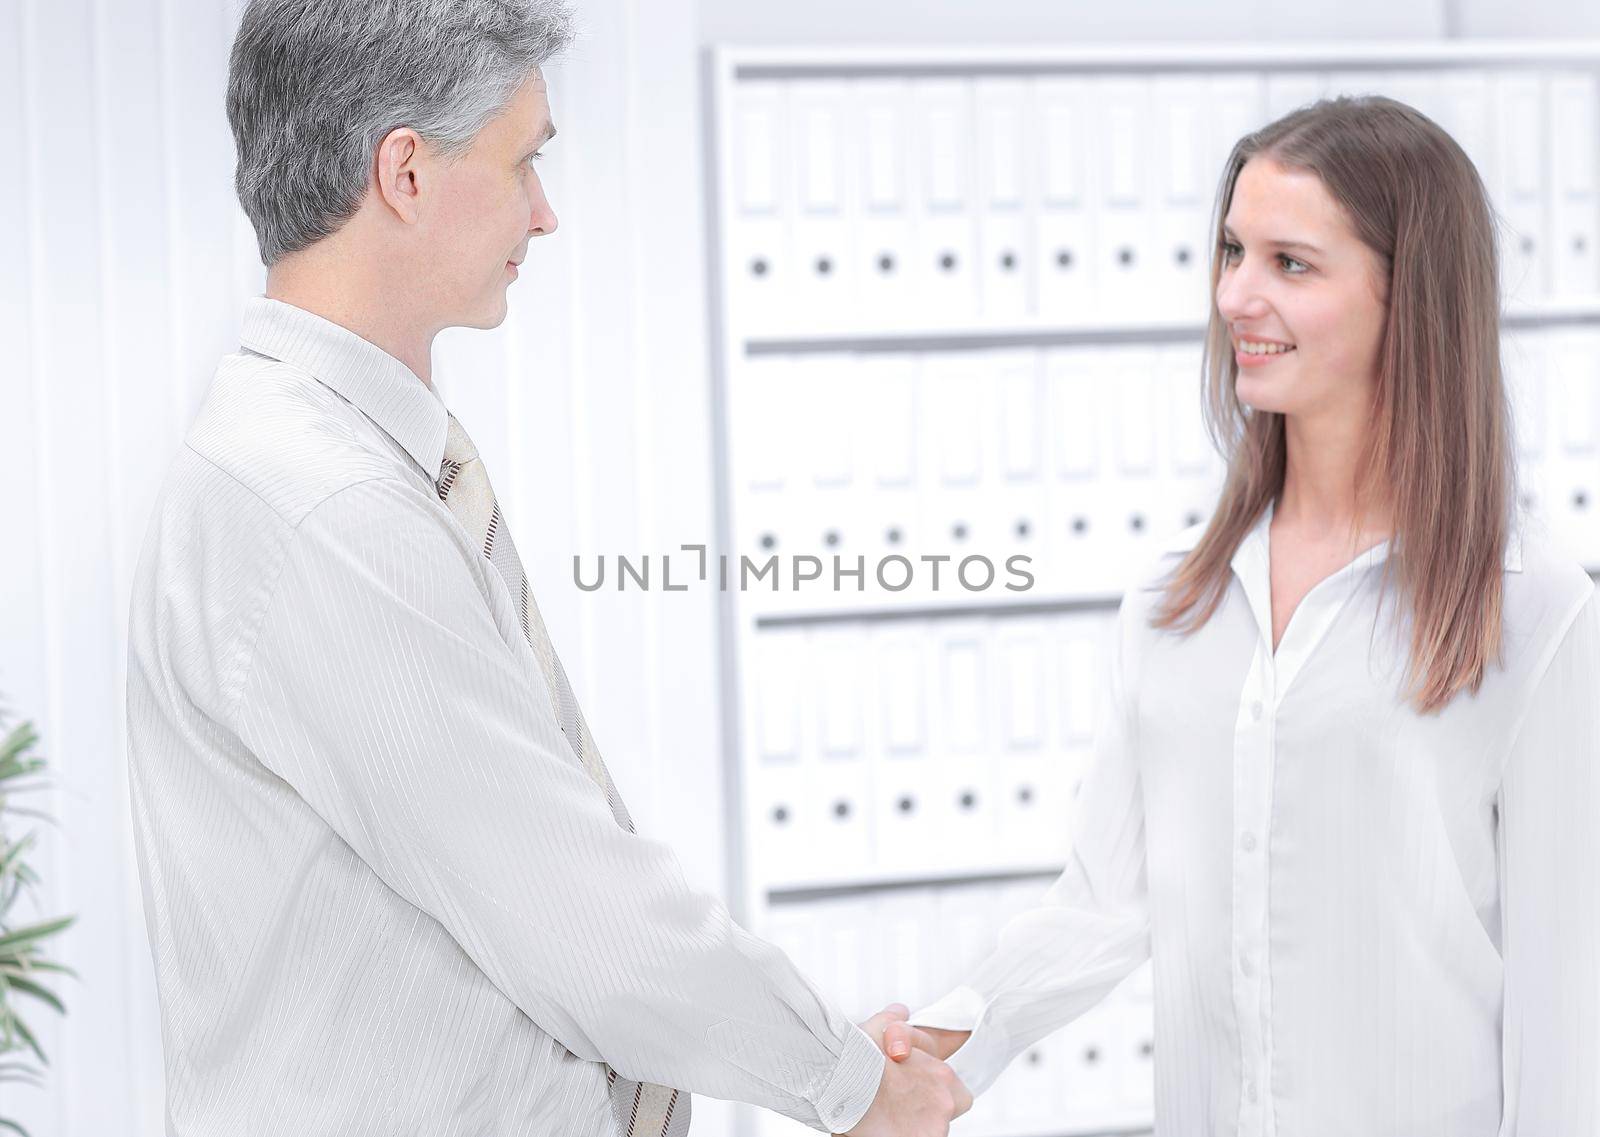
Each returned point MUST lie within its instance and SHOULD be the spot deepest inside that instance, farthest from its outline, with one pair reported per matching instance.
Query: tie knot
(458, 448)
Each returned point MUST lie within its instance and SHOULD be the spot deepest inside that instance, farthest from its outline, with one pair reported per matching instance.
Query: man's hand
(919, 1096)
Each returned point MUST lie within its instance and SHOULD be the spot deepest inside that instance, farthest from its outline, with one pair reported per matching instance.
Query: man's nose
(542, 221)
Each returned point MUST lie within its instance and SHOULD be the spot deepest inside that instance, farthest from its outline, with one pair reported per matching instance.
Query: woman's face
(1304, 299)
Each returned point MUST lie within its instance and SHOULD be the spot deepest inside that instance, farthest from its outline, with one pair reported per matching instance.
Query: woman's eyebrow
(1277, 243)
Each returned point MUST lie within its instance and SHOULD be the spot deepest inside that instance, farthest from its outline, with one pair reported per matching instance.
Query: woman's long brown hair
(1440, 451)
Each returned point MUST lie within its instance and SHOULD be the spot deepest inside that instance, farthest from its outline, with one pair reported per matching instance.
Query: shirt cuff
(959, 1010)
(983, 1056)
(854, 1083)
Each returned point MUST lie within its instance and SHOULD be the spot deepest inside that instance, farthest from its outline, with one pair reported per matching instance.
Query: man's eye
(536, 155)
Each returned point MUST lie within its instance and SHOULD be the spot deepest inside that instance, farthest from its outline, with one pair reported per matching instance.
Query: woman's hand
(897, 1038)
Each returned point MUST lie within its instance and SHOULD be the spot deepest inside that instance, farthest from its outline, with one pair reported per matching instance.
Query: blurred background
(836, 279)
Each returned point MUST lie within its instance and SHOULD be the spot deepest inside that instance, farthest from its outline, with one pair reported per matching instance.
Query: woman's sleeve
(1058, 959)
(1549, 852)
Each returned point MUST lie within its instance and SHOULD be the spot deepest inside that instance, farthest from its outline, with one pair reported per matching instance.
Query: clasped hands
(919, 1095)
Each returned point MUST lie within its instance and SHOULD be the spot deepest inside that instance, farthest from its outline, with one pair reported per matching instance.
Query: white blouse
(1362, 921)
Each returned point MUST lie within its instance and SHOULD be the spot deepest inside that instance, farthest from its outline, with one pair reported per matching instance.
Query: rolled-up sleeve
(1092, 928)
(1549, 849)
(381, 690)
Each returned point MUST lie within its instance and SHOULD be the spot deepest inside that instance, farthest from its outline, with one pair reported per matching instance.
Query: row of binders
(1081, 459)
(913, 945)
(1554, 377)
(1084, 460)
(902, 203)
(912, 747)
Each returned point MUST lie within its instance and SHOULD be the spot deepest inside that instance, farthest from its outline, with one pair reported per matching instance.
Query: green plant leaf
(36, 932)
(29, 987)
(31, 1042)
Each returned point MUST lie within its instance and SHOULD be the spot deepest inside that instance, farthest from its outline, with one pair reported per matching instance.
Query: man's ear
(399, 167)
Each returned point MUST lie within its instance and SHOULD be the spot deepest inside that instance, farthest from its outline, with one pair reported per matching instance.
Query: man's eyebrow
(1298, 246)
(548, 133)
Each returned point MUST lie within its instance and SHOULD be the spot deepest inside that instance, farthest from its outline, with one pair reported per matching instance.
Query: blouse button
(1248, 842)
(1255, 711)
(1247, 967)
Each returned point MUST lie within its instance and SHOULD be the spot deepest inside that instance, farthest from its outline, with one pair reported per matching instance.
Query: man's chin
(490, 316)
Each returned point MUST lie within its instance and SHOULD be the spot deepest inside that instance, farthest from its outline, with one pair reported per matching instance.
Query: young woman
(1348, 794)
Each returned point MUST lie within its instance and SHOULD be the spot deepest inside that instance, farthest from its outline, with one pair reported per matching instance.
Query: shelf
(845, 62)
(876, 613)
(1042, 333)
(797, 892)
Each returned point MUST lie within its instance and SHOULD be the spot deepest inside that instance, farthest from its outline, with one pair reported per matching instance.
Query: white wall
(123, 264)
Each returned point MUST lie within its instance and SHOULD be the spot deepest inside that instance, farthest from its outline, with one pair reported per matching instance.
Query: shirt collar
(375, 382)
(1255, 541)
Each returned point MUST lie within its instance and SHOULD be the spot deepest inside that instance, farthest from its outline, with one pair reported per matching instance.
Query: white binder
(1184, 180)
(1064, 251)
(782, 822)
(1005, 240)
(1519, 147)
(1016, 476)
(1123, 205)
(1140, 440)
(902, 657)
(1573, 363)
(822, 244)
(961, 810)
(887, 519)
(760, 271)
(1574, 180)
(840, 792)
(944, 269)
(1195, 465)
(885, 242)
(1031, 779)
(957, 439)
(1077, 508)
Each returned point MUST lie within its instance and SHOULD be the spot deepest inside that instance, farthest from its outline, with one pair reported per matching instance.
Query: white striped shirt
(1362, 922)
(382, 896)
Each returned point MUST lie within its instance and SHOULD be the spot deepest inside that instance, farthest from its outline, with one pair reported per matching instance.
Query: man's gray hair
(315, 85)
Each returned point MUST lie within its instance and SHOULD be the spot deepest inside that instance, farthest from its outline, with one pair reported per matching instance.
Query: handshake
(919, 1095)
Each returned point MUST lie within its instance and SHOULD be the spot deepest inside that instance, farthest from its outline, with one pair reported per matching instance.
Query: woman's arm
(1058, 959)
(1549, 853)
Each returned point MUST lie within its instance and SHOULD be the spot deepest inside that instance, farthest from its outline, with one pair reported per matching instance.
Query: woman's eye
(1292, 266)
(1231, 252)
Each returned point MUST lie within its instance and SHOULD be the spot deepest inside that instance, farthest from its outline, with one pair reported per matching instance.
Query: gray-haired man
(389, 884)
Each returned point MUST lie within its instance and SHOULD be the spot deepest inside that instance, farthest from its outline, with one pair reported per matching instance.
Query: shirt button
(1246, 966)
(1250, 1090)
(1255, 711)
(1248, 842)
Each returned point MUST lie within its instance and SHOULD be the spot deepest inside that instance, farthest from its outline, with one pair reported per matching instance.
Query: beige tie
(641, 1109)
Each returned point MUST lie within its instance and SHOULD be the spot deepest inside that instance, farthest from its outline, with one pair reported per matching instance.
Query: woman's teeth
(1264, 348)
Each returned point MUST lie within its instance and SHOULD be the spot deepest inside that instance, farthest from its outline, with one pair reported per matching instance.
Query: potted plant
(23, 965)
